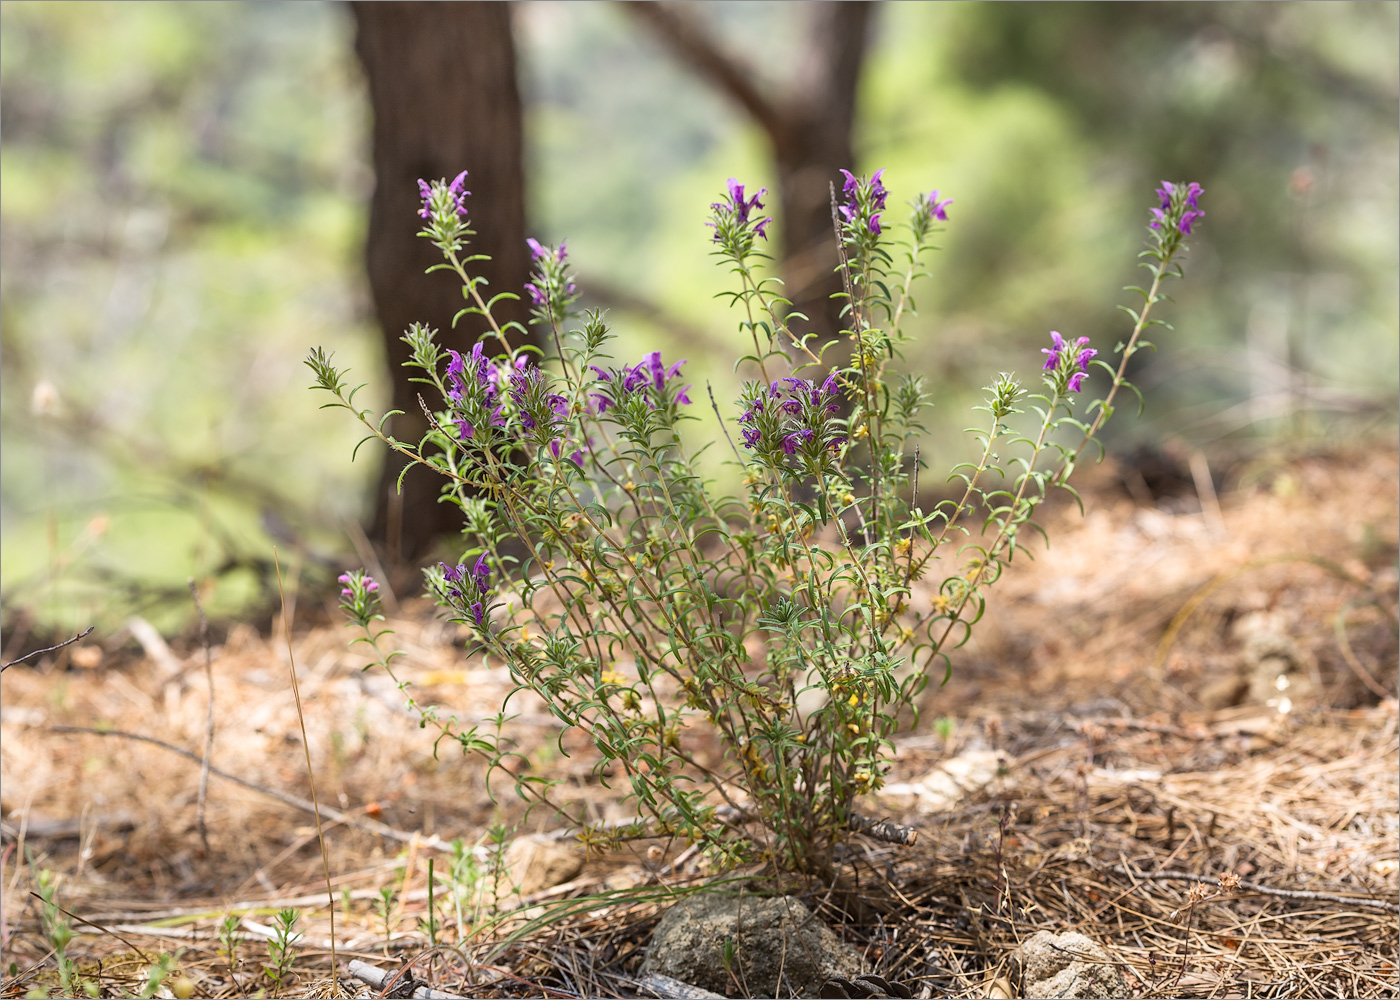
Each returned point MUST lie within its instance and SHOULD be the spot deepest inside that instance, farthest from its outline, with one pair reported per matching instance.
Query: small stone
(779, 949)
(1067, 965)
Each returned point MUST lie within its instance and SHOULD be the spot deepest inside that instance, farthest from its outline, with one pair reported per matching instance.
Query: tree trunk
(810, 150)
(443, 91)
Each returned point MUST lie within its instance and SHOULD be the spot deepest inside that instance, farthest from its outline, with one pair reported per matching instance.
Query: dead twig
(1305, 894)
(99, 927)
(66, 642)
(306, 749)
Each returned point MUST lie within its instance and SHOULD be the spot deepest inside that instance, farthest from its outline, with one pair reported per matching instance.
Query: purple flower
(938, 209)
(456, 376)
(875, 224)
(452, 577)
(878, 193)
(852, 183)
(536, 296)
(481, 575)
(1053, 353)
(537, 251)
(1187, 218)
(464, 429)
(478, 612)
(792, 441)
(1076, 381)
(556, 448)
(830, 390)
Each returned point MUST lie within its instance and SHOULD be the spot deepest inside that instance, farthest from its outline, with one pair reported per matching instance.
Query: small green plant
(230, 937)
(161, 970)
(944, 728)
(384, 908)
(429, 924)
(281, 947)
(466, 886)
(58, 931)
(797, 622)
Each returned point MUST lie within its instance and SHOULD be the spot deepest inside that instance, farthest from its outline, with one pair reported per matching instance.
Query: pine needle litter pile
(1184, 750)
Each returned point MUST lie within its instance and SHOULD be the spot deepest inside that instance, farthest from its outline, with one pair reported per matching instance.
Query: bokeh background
(183, 209)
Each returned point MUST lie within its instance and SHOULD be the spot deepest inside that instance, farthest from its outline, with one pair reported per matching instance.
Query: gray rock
(1067, 965)
(780, 949)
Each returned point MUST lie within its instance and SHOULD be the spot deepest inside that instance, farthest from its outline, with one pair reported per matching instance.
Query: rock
(951, 781)
(1278, 670)
(536, 862)
(1067, 965)
(779, 948)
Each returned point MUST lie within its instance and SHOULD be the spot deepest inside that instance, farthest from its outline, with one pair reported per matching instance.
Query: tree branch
(689, 40)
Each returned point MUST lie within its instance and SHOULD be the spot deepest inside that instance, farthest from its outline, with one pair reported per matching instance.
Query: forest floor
(1187, 685)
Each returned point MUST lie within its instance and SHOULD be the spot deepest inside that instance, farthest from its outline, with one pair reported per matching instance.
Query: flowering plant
(743, 661)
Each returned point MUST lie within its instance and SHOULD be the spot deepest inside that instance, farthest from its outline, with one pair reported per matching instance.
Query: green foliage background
(182, 211)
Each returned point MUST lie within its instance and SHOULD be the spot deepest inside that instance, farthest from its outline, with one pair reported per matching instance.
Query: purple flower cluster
(791, 412)
(552, 288)
(358, 598)
(649, 377)
(539, 408)
(740, 208)
(357, 583)
(864, 201)
(462, 584)
(1063, 357)
(1177, 202)
(457, 189)
(735, 222)
(472, 390)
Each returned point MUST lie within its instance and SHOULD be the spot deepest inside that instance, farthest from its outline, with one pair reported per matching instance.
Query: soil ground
(1184, 686)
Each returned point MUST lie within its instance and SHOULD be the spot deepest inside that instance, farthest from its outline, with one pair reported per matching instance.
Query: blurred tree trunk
(809, 129)
(443, 90)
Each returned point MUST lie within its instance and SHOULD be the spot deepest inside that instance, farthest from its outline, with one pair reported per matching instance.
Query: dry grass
(1132, 773)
